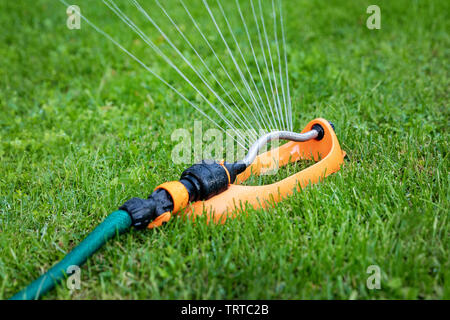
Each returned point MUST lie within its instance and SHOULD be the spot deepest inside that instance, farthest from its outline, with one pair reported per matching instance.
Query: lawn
(83, 128)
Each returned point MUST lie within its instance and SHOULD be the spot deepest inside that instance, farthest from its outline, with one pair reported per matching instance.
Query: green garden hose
(116, 223)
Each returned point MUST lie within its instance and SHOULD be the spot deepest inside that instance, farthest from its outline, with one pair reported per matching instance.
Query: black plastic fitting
(208, 178)
(204, 180)
(320, 130)
(144, 211)
(234, 169)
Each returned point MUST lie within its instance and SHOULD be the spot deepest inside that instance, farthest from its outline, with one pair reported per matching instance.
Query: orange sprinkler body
(238, 196)
(214, 188)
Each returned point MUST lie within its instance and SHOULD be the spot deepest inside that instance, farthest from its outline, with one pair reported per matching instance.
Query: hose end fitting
(141, 211)
(144, 211)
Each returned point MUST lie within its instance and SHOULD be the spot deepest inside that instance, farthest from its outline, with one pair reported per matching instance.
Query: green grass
(83, 128)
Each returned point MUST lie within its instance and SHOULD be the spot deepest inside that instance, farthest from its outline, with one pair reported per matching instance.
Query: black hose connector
(144, 211)
(140, 210)
(204, 180)
(208, 178)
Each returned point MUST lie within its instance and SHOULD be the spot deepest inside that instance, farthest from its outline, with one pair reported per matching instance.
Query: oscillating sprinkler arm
(315, 133)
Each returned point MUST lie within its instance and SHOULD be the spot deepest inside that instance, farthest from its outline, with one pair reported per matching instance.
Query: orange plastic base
(237, 197)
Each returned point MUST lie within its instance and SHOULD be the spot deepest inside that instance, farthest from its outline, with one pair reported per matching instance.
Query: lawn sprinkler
(211, 188)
